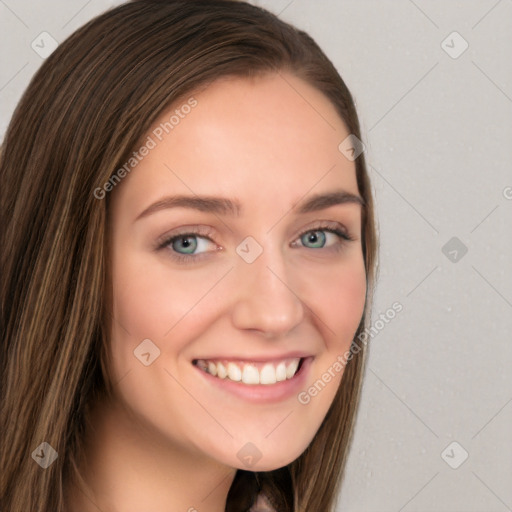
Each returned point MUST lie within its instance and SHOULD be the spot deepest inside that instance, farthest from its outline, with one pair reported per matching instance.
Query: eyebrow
(232, 207)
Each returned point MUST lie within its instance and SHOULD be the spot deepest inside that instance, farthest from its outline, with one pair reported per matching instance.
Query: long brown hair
(78, 121)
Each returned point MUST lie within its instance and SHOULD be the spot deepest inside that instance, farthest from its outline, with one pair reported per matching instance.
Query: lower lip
(263, 393)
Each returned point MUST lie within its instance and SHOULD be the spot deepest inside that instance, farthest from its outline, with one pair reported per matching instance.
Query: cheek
(350, 298)
(145, 306)
(150, 302)
(338, 305)
(337, 297)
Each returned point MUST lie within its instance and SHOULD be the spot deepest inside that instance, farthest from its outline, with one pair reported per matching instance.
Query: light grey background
(438, 137)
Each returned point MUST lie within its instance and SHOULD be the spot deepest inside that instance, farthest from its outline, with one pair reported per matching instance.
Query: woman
(189, 252)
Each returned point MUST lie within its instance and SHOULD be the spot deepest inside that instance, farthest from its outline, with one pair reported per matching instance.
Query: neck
(131, 468)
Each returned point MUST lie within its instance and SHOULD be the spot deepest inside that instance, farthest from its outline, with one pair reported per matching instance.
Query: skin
(167, 441)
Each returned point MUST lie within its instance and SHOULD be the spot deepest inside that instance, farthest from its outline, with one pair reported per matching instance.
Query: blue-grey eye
(317, 238)
(187, 243)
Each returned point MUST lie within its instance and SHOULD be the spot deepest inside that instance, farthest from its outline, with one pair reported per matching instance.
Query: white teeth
(234, 372)
(268, 374)
(251, 374)
(281, 372)
(292, 368)
(212, 368)
(221, 371)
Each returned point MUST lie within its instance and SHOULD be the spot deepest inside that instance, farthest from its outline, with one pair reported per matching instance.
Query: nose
(265, 299)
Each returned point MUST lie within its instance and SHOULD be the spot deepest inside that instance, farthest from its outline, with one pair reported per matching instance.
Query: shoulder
(262, 505)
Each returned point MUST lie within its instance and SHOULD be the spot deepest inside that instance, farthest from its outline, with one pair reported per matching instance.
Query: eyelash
(206, 233)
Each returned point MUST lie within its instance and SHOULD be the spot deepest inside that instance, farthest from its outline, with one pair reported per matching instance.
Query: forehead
(267, 139)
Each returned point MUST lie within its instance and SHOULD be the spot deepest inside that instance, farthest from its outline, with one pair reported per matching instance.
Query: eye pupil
(313, 238)
(185, 242)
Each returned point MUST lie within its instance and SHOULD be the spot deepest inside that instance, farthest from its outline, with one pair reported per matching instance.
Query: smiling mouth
(251, 373)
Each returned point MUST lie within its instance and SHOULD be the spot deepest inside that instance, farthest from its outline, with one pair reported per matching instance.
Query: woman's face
(225, 259)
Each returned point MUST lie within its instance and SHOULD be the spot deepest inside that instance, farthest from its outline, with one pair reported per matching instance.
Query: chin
(268, 458)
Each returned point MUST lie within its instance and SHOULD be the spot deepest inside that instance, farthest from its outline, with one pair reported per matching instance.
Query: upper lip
(256, 359)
